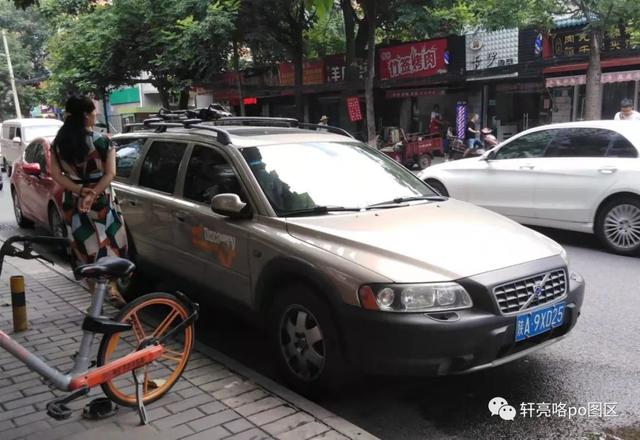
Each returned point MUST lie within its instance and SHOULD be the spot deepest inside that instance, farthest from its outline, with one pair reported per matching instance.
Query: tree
(285, 23)
(600, 15)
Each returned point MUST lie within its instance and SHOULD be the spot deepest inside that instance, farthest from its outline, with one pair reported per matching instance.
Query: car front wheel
(618, 225)
(305, 341)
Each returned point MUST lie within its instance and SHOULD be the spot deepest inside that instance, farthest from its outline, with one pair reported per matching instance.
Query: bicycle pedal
(58, 408)
(58, 411)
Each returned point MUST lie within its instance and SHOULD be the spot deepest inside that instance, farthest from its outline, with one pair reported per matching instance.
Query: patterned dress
(99, 232)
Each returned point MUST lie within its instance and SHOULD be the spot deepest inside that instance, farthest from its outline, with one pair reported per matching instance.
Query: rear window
(127, 153)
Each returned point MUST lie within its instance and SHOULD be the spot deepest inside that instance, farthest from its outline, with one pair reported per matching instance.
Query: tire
(618, 225)
(424, 161)
(439, 187)
(21, 220)
(323, 368)
(119, 389)
(56, 225)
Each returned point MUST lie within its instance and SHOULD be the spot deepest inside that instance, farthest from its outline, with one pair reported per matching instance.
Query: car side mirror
(17, 140)
(32, 169)
(230, 205)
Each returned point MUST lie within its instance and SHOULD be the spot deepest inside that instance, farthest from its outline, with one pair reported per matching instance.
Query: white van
(17, 133)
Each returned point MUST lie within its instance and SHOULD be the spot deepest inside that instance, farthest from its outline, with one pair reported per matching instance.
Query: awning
(609, 77)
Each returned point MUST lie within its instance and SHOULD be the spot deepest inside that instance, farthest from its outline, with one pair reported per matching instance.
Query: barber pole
(461, 119)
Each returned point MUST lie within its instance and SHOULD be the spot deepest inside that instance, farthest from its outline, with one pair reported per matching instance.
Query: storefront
(566, 57)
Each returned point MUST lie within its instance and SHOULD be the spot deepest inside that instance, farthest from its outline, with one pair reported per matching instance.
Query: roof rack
(261, 121)
(161, 126)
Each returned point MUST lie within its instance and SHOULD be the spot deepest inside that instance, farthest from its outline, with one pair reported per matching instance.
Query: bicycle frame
(79, 376)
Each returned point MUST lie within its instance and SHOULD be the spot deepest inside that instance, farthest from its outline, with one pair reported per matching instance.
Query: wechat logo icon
(500, 407)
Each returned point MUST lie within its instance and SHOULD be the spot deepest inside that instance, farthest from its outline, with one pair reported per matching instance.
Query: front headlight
(434, 297)
(564, 256)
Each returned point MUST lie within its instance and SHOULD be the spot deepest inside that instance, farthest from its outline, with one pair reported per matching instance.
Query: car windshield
(45, 131)
(331, 175)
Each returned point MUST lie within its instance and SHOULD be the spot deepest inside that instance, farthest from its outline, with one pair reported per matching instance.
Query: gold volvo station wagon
(346, 258)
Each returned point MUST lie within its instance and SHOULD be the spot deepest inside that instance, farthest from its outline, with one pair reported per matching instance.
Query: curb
(337, 423)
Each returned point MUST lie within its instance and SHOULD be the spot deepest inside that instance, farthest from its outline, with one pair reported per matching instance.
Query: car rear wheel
(305, 341)
(17, 211)
(57, 226)
(618, 225)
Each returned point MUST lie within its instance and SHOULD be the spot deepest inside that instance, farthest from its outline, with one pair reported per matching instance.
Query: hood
(450, 165)
(425, 242)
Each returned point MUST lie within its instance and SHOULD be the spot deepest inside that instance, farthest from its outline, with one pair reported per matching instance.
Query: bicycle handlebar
(26, 253)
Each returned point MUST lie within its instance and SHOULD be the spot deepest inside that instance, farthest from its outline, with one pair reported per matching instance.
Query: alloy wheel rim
(16, 208)
(622, 226)
(57, 226)
(302, 343)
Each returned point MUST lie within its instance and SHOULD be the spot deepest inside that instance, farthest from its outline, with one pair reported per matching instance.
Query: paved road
(598, 362)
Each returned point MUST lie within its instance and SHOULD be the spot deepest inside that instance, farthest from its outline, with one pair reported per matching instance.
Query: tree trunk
(184, 98)
(370, 7)
(164, 94)
(351, 70)
(593, 99)
(236, 66)
(298, 62)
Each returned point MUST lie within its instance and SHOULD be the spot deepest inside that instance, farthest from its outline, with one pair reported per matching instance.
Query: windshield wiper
(408, 199)
(319, 210)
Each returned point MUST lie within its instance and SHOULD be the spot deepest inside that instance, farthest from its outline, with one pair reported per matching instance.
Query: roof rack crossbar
(329, 128)
(255, 120)
(161, 126)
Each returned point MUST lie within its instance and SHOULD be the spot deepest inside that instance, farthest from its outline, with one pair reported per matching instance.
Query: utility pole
(13, 80)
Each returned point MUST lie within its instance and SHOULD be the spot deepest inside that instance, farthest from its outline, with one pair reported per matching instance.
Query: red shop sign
(412, 60)
(353, 106)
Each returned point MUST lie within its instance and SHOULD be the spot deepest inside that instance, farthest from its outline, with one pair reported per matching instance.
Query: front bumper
(471, 340)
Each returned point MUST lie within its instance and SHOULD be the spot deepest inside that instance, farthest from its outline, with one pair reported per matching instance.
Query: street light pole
(13, 80)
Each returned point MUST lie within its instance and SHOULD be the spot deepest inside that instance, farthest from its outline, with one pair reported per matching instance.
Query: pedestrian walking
(84, 163)
(627, 113)
(472, 132)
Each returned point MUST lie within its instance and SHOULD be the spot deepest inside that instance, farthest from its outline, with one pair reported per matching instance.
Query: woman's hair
(71, 140)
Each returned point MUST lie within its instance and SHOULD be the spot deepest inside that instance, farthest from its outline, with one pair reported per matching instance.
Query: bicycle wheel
(151, 316)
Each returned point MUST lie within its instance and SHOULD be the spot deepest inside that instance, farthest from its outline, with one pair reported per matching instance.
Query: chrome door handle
(608, 170)
(527, 167)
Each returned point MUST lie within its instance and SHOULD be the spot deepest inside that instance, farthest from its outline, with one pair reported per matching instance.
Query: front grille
(513, 295)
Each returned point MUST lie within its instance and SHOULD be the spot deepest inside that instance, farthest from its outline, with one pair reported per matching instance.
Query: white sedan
(580, 176)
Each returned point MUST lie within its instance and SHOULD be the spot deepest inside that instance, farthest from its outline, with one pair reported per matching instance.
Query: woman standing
(84, 164)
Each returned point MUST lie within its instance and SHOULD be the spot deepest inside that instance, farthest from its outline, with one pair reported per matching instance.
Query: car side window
(579, 142)
(160, 166)
(30, 153)
(12, 132)
(528, 146)
(128, 151)
(621, 147)
(18, 132)
(209, 174)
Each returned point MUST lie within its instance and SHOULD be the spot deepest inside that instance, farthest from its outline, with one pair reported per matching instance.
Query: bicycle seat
(111, 267)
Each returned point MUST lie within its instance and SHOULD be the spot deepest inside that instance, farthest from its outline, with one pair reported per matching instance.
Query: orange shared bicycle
(151, 338)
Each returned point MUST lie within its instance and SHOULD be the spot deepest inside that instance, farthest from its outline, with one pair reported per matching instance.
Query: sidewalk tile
(213, 420)
(272, 415)
(214, 433)
(304, 432)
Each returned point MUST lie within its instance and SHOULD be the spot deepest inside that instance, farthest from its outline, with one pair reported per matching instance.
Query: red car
(36, 197)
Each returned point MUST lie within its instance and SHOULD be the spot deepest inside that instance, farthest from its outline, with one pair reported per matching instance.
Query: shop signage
(412, 93)
(353, 107)
(577, 42)
(609, 77)
(336, 68)
(312, 73)
(412, 60)
(250, 101)
(488, 50)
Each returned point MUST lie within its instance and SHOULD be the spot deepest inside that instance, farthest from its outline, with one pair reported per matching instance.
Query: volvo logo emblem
(537, 289)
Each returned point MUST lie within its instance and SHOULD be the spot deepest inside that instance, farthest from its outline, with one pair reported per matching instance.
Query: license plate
(540, 321)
